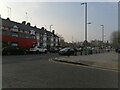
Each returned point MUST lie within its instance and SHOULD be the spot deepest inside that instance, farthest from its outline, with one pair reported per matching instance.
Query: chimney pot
(28, 24)
(23, 22)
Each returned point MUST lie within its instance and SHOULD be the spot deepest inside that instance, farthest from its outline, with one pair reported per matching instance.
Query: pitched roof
(8, 23)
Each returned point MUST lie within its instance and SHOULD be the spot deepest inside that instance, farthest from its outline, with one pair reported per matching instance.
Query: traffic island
(96, 60)
(71, 62)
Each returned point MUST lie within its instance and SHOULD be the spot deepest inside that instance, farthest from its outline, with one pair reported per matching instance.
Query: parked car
(13, 50)
(89, 50)
(118, 49)
(67, 51)
(107, 49)
(38, 50)
(54, 50)
(79, 49)
(95, 50)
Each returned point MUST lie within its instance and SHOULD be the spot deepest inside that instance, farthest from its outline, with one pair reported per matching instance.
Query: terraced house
(25, 36)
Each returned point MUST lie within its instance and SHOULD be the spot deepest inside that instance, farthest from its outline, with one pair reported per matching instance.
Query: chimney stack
(42, 28)
(8, 18)
(24, 22)
(53, 31)
(28, 24)
(35, 26)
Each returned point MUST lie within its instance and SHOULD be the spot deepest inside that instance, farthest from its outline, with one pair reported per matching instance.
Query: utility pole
(26, 16)
(102, 36)
(85, 20)
(45, 26)
(9, 11)
(86, 41)
(50, 27)
(102, 33)
(51, 36)
(72, 39)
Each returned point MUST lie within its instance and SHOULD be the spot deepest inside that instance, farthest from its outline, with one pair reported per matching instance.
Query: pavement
(108, 60)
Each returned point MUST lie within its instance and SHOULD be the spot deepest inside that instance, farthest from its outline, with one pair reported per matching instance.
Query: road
(36, 71)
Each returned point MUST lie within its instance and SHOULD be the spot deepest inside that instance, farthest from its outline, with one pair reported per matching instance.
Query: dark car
(54, 50)
(12, 50)
(118, 49)
(67, 51)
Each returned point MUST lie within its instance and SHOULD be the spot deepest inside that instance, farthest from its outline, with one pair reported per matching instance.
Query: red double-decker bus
(16, 37)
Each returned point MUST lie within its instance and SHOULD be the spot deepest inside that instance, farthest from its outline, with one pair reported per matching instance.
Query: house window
(32, 32)
(32, 36)
(4, 32)
(0, 31)
(22, 35)
(14, 44)
(28, 36)
(14, 34)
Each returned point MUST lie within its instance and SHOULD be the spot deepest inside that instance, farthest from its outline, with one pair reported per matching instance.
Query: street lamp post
(85, 20)
(102, 33)
(102, 36)
(50, 27)
(86, 26)
(51, 37)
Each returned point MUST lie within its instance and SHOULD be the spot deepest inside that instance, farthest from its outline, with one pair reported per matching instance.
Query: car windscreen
(65, 49)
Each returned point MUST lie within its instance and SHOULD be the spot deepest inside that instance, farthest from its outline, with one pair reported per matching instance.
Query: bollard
(75, 51)
(68, 54)
(91, 52)
(85, 52)
(81, 53)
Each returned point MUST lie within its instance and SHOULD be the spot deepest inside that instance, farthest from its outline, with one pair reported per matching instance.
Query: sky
(67, 18)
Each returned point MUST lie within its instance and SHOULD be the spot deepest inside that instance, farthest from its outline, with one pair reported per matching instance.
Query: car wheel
(8, 53)
(24, 52)
(37, 52)
(45, 52)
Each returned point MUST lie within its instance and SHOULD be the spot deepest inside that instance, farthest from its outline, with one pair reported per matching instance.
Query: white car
(38, 50)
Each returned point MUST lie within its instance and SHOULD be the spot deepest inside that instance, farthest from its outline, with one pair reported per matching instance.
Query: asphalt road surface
(36, 71)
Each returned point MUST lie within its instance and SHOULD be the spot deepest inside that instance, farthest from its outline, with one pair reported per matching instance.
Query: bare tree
(115, 38)
(62, 41)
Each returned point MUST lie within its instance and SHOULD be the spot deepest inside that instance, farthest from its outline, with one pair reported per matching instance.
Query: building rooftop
(25, 26)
